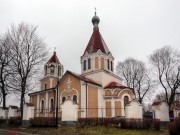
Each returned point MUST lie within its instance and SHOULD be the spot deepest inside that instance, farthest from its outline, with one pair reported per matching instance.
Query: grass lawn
(88, 131)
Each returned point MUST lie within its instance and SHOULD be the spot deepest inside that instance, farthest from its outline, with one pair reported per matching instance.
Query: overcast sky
(130, 28)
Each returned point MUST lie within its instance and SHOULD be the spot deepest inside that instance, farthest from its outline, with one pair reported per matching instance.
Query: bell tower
(97, 62)
(96, 55)
(53, 68)
(53, 71)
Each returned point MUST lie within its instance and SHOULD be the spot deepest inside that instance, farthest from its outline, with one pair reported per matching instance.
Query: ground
(85, 131)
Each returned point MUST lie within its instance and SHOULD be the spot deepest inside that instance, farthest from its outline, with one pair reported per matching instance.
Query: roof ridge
(116, 85)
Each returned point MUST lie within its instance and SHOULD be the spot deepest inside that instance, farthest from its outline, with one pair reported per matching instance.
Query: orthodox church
(96, 92)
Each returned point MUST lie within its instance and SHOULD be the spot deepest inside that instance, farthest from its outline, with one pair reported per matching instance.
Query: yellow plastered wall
(34, 100)
(54, 83)
(108, 93)
(116, 92)
(108, 109)
(92, 101)
(41, 97)
(75, 84)
(51, 94)
(118, 108)
(43, 82)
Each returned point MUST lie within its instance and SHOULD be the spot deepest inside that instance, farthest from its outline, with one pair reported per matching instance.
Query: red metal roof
(96, 42)
(54, 59)
(29, 104)
(156, 103)
(116, 85)
(13, 107)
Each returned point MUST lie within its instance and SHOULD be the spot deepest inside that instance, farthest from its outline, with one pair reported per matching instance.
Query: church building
(96, 92)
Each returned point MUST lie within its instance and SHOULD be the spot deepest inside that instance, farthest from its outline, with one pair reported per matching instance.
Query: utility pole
(57, 103)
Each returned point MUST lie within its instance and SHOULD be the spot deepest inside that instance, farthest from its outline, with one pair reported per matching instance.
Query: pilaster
(112, 108)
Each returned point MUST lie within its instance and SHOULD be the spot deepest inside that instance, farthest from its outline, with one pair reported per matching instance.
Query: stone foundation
(69, 123)
(26, 123)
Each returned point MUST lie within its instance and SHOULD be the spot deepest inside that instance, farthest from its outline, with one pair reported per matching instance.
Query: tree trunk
(22, 98)
(21, 105)
(4, 99)
(3, 94)
(140, 100)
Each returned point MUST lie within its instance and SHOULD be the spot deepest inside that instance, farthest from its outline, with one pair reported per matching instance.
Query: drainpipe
(54, 107)
(86, 99)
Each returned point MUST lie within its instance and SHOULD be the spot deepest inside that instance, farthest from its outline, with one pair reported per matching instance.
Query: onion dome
(95, 19)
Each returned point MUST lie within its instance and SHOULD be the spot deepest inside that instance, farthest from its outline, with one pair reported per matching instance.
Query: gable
(70, 86)
(69, 82)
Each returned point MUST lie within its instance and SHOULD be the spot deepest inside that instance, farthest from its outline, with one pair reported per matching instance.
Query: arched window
(52, 69)
(89, 63)
(102, 63)
(51, 104)
(75, 99)
(45, 69)
(59, 71)
(63, 99)
(108, 64)
(42, 106)
(126, 100)
(45, 86)
(96, 63)
(84, 65)
(111, 66)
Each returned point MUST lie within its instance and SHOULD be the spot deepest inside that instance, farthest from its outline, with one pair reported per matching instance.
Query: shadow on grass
(86, 131)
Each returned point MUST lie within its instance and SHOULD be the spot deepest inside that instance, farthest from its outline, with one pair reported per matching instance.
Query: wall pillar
(105, 63)
(122, 108)
(46, 105)
(51, 81)
(27, 115)
(99, 63)
(112, 108)
(38, 108)
(93, 63)
(83, 99)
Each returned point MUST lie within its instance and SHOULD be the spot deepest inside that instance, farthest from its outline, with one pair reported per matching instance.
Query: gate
(69, 111)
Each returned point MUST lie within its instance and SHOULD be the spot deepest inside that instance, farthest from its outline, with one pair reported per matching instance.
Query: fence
(85, 112)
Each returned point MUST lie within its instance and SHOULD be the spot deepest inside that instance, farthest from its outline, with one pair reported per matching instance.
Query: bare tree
(166, 63)
(160, 97)
(0, 97)
(136, 76)
(29, 54)
(147, 107)
(5, 59)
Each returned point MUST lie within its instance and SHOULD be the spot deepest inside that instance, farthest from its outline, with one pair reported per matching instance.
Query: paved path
(10, 132)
